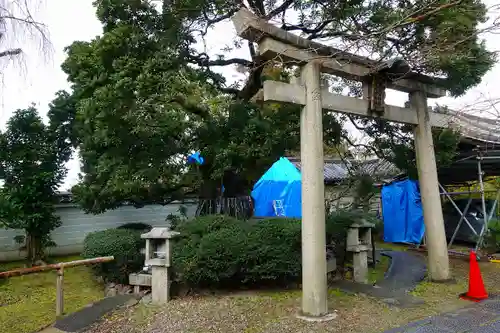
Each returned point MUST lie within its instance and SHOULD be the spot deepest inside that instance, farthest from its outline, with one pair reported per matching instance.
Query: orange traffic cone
(477, 291)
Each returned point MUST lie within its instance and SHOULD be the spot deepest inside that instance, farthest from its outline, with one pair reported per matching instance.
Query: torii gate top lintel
(275, 43)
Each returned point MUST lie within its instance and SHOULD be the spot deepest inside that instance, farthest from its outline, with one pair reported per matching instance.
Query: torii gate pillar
(314, 276)
(439, 269)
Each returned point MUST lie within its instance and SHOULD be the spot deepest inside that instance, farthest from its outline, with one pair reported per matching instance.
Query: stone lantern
(158, 257)
(359, 242)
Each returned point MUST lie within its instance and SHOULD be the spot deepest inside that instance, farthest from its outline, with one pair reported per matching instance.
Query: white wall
(76, 225)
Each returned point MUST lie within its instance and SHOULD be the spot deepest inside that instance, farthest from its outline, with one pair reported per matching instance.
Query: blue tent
(402, 212)
(282, 183)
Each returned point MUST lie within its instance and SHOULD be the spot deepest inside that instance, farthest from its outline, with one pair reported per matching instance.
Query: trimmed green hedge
(222, 252)
(217, 251)
(124, 244)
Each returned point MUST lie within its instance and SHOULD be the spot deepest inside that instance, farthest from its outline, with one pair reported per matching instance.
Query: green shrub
(136, 226)
(212, 260)
(336, 224)
(273, 252)
(491, 241)
(203, 225)
(124, 244)
(221, 251)
(217, 251)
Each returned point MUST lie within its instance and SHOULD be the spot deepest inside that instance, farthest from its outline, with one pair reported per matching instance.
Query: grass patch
(374, 274)
(27, 303)
(392, 246)
(444, 297)
(377, 273)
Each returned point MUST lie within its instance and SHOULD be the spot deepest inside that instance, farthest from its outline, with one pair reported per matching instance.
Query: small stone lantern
(359, 242)
(158, 257)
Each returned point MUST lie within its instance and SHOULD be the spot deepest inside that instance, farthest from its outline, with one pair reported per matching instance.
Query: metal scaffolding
(487, 215)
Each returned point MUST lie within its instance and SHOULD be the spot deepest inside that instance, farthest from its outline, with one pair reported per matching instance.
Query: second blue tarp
(402, 212)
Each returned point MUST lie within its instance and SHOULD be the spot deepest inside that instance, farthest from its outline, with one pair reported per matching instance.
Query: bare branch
(8, 53)
(16, 22)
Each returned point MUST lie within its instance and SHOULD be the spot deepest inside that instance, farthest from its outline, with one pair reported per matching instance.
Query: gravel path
(274, 313)
(266, 312)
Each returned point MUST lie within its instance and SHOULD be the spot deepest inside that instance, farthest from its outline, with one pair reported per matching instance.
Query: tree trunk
(35, 253)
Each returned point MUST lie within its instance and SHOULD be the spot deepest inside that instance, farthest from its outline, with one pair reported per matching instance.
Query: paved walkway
(477, 318)
(77, 321)
(405, 272)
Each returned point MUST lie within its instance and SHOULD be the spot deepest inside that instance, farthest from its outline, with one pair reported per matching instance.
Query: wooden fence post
(60, 275)
(60, 292)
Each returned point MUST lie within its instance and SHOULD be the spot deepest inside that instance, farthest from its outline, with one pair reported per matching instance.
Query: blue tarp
(402, 212)
(195, 158)
(281, 182)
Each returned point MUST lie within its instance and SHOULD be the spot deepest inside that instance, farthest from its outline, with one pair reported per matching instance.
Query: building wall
(76, 225)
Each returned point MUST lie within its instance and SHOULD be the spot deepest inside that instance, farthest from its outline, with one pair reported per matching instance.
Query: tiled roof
(336, 170)
(379, 168)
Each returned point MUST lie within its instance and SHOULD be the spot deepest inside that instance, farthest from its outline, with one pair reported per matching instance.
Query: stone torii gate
(275, 44)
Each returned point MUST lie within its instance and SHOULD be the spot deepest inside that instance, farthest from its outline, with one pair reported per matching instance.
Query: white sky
(36, 80)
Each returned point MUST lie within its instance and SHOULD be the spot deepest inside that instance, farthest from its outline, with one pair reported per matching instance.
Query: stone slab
(140, 279)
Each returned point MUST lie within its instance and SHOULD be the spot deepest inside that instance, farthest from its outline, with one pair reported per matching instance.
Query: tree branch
(190, 107)
(220, 18)
(360, 145)
(304, 29)
(203, 60)
(280, 9)
(258, 7)
(230, 91)
(254, 82)
(12, 52)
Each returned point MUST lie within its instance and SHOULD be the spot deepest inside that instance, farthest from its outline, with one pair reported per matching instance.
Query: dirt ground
(275, 312)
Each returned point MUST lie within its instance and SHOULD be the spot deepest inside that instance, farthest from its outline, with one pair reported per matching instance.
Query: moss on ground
(27, 303)
(444, 296)
(377, 273)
